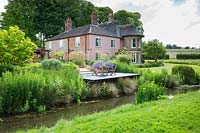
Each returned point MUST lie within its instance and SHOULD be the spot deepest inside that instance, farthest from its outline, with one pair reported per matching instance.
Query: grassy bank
(180, 114)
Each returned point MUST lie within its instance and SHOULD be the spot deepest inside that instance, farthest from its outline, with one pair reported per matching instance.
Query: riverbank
(180, 114)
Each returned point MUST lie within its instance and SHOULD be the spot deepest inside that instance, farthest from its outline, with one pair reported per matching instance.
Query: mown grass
(168, 67)
(178, 115)
(189, 62)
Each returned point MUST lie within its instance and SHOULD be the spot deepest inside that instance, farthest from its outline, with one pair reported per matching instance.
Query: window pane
(133, 43)
(61, 43)
(78, 42)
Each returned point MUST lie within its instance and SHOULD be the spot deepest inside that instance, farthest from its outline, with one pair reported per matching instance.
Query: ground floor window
(134, 58)
(98, 56)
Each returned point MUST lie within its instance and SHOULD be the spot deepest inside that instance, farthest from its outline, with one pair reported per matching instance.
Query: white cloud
(179, 24)
(2, 4)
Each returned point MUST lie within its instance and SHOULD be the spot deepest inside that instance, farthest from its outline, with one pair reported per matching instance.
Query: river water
(48, 119)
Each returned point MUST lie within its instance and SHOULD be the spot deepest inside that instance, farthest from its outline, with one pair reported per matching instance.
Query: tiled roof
(112, 29)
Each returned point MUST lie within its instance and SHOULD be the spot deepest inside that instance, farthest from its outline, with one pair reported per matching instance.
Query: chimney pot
(94, 18)
(110, 17)
(68, 24)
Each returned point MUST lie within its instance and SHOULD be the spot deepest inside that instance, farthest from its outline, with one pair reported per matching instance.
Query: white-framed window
(98, 42)
(78, 42)
(98, 56)
(139, 43)
(50, 45)
(61, 44)
(112, 43)
(134, 57)
(133, 43)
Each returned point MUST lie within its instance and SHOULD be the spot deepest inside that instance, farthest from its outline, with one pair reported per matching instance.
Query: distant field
(173, 52)
(168, 67)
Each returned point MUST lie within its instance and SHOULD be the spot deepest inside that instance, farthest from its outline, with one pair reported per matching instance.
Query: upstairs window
(133, 43)
(112, 43)
(61, 44)
(139, 42)
(78, 42)
(98, 42)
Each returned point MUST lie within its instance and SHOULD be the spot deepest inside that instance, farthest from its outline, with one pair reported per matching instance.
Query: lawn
(178, 115)
(168, 67)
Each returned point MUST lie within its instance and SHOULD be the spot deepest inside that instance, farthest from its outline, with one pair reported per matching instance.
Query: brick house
(94, 40)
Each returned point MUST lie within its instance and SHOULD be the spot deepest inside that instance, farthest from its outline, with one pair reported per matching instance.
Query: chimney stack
(68, 24)
(94, 18)
(110, 17)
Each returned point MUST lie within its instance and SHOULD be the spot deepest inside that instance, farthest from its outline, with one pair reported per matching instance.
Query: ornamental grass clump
(51, 64)
(148, 91)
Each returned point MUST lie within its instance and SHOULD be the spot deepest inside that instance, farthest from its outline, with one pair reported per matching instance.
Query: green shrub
(51, 64)
(124, 58)
(188, 56)
(160, 78)
(150, 64)
(148, 91)
(79, 61)
(6, 67)
(125, 68)
(186, 73)
(70, 65)
(29, 90)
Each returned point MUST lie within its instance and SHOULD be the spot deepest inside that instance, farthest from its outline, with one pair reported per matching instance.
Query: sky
(170, 21)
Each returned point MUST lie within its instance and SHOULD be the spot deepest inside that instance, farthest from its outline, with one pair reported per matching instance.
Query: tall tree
(154, 49)
(45, 16)
(125, 17)
(102, 13)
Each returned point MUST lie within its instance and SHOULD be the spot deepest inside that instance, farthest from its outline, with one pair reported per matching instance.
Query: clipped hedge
(186, 73)
(150, 64)
(188, 56)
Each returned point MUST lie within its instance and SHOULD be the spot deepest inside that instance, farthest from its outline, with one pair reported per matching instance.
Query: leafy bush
(148, 91)
(150, 64)
(160, 78)
(188, 56)
(79, 61)
(51, 64)
(125, 68)
(70, 65)
(124, 58)
(6, 67)
(186, 73)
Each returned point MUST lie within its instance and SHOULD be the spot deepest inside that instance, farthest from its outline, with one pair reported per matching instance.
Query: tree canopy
(15, 48)
(48, 16)
(125, 17)
(153, 49)
(102, 13)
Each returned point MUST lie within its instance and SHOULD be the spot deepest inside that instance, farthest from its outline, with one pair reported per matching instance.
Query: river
(48, 119)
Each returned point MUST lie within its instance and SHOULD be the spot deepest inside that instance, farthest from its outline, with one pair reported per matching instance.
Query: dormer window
(133, 43)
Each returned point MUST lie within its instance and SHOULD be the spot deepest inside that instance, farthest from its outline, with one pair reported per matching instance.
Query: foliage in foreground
(180, 114)
(35, 89)
(148, 91)
(15, 48)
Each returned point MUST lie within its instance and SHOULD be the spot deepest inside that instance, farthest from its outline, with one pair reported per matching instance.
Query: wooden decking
(93, 77)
